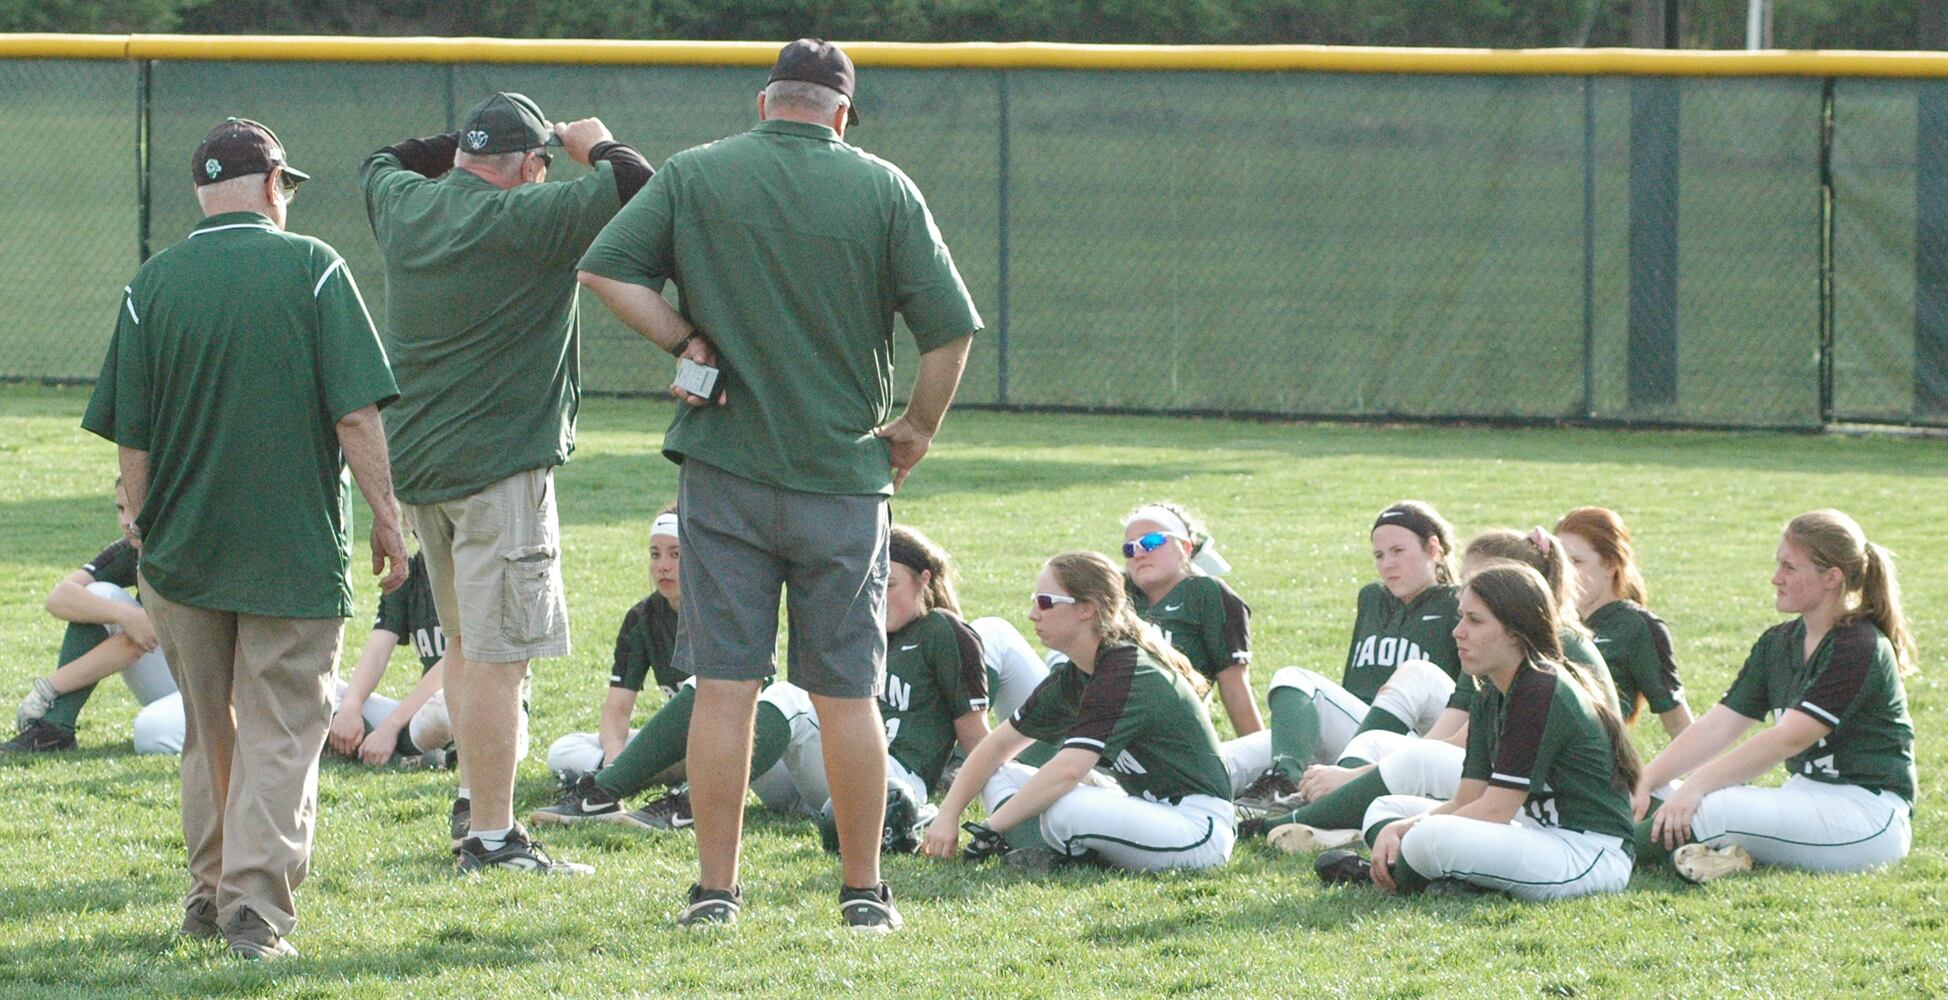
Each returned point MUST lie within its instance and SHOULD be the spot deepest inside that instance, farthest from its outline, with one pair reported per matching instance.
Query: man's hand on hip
(579, 137)
(906, 443)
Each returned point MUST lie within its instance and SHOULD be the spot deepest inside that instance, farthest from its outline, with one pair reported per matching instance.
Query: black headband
(909, 555)
(1410, 519)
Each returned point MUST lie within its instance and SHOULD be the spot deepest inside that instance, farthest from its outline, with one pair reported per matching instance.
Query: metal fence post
(144, 82)
(1589, 248)
(1001, 249)
(1826, 206)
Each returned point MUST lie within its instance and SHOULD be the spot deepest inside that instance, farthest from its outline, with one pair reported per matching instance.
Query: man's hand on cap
(579, 137)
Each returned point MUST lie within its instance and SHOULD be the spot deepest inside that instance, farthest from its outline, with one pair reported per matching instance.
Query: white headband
(665, 524)
(1157, 514)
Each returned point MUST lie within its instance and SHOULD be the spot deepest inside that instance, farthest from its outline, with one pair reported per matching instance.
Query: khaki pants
(256, 706)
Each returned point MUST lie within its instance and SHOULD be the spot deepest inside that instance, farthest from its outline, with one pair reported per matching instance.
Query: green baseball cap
(506, 123)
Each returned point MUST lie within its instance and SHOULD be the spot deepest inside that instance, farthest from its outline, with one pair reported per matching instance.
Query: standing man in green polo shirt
(243, 366)
(792, 251)
(482, 322)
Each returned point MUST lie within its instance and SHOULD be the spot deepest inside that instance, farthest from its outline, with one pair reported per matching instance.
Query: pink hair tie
(1541, 540)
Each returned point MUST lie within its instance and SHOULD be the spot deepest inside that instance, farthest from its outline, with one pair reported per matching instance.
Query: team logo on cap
(211, 167)
(477, 138)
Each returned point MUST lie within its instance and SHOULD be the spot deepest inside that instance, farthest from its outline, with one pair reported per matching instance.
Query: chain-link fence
(1306, 244)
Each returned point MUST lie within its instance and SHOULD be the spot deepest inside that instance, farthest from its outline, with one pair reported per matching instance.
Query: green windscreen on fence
(1340, 245)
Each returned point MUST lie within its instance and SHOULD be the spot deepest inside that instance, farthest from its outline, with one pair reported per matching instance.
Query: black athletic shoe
(870, 910)
(199, 919)
(711, 908)
(1256, 822)
(671, 812)
(1269, 791)
(1343, 867)
(585, 800)
(40, 736)
(517, 853)
(462, 819)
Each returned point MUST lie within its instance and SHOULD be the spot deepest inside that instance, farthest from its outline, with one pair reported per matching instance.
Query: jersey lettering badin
(896, 693)
(429, 643)
(1386, 651)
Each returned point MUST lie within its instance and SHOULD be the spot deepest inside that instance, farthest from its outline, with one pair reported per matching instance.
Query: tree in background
(1798, 24)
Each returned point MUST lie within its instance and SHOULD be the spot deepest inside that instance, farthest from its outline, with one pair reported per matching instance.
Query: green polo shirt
(236, 352)
(791, 251)
(482, 321)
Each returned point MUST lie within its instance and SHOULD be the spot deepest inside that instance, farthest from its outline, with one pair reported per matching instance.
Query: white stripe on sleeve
(1818, 712)
(128, 299)
(320, 286)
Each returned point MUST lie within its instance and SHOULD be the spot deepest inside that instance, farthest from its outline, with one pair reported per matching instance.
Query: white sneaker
(1700, 864)
(1298, 838)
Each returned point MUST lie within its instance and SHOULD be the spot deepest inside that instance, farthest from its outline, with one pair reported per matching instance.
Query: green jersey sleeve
(959, 669)
(1049, 709)
(1656, 675)
(1229, 630)
(119, 408)
(631, 662)
(639, 244)
(351, 360)
(1478, 762)
(927, 288)
(1104, 723)
(1523, 749)
(115, 564)
(392, 613)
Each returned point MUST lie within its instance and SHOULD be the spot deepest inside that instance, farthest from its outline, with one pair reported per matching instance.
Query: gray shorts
(743, 543)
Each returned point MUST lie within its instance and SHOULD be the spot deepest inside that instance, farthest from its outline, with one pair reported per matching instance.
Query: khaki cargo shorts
(494, 561)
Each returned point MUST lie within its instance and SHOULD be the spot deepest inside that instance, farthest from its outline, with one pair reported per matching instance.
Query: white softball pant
(148, 678)
(797, 782)
(1014, 670)
(1807, 824)
(1411, 690)
(1522, 857)
(432, 727)
(159, 726)
(1123, 830)
(575, 754)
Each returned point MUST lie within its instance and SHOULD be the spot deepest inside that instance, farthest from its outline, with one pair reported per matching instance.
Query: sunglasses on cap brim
(1145, 543)
(1047, 602)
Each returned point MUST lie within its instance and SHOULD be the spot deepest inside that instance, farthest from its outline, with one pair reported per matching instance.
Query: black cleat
(671, 812)
(1343, 867)
(1270, 791)
(516, 853)
(40, 736)
(711, 908)
(870, 910)
(584, 800)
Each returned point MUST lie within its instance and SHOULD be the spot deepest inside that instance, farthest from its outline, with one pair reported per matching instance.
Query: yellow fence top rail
(992, 55)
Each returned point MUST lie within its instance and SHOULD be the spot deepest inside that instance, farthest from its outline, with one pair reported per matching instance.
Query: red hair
(1603, 528)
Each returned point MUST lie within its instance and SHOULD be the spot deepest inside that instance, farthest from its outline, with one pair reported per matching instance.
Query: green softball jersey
(1852, 683)
(1388, 632)
(1580, 648)
(409, 614)
(644, 645)
(482, 319)
(1204, 619)
(934, 675)
(116, 564)
(1637, 646)
(1151, 729)
(791, 251)
(1542, 738)
(236, 352)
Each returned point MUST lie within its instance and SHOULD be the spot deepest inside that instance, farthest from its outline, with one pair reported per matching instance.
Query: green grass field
(91, 884)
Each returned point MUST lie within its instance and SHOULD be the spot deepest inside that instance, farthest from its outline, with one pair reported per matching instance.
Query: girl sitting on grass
(1832, 678)
(1124, 698)
(1543, 808)
(1610, 597)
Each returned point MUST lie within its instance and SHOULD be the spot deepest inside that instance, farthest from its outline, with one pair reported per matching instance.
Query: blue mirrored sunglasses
(1145, 543)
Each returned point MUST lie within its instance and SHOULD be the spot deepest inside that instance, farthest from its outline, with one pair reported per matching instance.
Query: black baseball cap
(815, 60)
(236, 148)
(506, 123)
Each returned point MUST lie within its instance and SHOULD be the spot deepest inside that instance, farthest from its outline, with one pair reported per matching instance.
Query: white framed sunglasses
(1046, 602)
